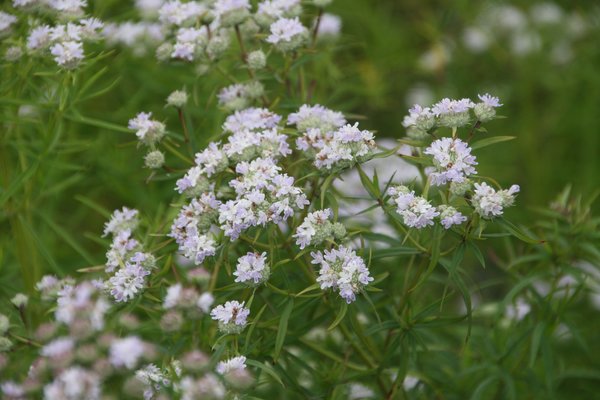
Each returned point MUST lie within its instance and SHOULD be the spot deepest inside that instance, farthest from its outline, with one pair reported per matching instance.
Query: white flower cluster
(147, 130)
(252, 269)
(127, 352)
(154, 380)
(6, 21)
(490, 203)
(449, 113)
(232, 316)
(191, 228)
(129, 280)
(452, 160)
(263, 195)
(231, 365)
(271, 10)
(327, 138)
(179, 13)
(64, 41)
(251, 119)
(122, 220)
(415, 210)
(246, 145)
(317, 228)
(287, 34)
(450, 216)
(342, 270)
(126, 256)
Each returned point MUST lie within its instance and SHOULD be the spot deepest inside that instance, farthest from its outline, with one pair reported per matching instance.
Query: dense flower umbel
(252, 269)
(342, 270)
(263, 195)
(452, 160)
(416, 211)
(231, 316)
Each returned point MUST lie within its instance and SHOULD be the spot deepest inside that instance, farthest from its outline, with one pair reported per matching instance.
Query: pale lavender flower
(121, 220)
(448, 106)
(416, 211)
(490, 203)
(233, 364)
(149, 131)
(58, 347)
(6, 21)
(450, 216)
(342, 270)
(452, 160)
(205, 301)
(251, 119)
(126, 352)
(287, 33)
(232, 316)
(316, 117)
(39, 37)
(67, 54)
(490, 100)
(127, 282)
(252, 268)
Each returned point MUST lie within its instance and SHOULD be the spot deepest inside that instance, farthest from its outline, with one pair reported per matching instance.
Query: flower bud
(322, 3)
(484, 112)
(154, 160)
(4, 324)
(460, 188)
(13, 53)
(217, 45)
(254, 90)
(5, 344)
(163, 52)
(177, 99)
(256, 60)
(20, 300)
(338, 230)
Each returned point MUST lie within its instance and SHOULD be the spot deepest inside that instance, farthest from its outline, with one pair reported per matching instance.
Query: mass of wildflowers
(281, 248)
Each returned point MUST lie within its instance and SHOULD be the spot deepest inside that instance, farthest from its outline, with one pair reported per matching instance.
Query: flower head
(452, 159)
(252, 268)
(232, 316)
(342, 270)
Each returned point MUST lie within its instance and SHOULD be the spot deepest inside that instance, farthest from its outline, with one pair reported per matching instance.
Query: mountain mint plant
(255, 275)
